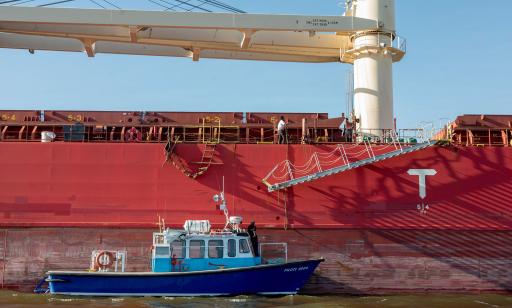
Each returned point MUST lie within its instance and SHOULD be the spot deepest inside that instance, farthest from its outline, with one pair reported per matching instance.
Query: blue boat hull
(285, 278)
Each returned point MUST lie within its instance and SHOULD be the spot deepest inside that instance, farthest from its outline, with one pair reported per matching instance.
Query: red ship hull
(370, 223)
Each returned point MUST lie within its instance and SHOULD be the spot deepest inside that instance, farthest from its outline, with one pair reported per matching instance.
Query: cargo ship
(391, 210)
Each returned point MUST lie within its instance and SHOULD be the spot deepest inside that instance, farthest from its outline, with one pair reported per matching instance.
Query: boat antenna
(220, 199)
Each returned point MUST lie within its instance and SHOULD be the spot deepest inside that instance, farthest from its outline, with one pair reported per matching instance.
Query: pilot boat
(195, 261)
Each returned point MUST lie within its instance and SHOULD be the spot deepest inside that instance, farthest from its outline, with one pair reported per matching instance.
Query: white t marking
(422, 174)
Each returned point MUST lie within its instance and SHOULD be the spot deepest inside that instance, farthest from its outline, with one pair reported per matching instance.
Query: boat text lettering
(296, 269)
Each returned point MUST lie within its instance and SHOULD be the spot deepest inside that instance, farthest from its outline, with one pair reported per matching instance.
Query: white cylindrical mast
(373, 84)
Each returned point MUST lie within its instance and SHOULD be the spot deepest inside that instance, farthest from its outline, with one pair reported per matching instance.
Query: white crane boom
(181, 34)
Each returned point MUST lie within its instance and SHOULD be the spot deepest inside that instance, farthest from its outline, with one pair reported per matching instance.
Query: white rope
(331, 162)
(378, 149)
(304, 165)
(328, 154)
(356, 154)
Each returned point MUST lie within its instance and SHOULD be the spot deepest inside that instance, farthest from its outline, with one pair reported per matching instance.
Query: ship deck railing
(215, 133)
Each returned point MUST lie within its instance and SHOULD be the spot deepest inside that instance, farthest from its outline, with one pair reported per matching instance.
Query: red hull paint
(116, 185)
(365, 222)
(357, 261)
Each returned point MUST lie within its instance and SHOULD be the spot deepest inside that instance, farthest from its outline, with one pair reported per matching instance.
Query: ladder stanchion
(341, 154)
(366, 147)
(289, 169)
(397, 137)
(392, 135)
(270, 173)
(373, 154)
(317, 162)
(369, 149)
(346, 156)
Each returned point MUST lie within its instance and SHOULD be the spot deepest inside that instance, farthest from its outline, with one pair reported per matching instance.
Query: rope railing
(338, 157)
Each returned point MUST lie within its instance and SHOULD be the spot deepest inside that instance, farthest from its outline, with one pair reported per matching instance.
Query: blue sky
(458, 61)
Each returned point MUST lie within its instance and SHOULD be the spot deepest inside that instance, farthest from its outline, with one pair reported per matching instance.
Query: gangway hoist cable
(9, 1)
(191, 5)
(53, 3)
(112, 4)
(186, 1)
(93, 1)
(170, 6)
(225, 6)
(19, 3)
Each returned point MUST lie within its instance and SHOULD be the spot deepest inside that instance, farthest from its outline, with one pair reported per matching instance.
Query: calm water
(13, 299)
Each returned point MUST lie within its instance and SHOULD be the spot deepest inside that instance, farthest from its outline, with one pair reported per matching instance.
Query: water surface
(10, 299)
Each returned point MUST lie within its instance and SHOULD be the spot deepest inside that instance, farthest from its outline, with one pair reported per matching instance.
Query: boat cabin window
(178, 249)
(231, 248)
(162, 251)
(216, 249)
(244, 246)
(196, 249)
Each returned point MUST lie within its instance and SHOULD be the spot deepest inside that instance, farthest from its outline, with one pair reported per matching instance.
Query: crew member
(343, 126)
(281, 130)
(351, 127)
(251, 229)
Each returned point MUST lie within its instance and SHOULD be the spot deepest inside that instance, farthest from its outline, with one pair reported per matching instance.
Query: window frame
(201, 249)
(234, 251)
(183, 247)
(158, 248)
(216, 248)
(240, 245)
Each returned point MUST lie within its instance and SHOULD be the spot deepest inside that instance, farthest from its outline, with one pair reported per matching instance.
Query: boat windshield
(244, 246)
(231, 248)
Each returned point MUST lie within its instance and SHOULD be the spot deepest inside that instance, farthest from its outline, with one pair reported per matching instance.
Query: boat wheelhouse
(175, 251)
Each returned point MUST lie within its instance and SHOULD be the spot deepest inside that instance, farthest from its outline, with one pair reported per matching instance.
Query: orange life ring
(133, 135)
(104, 259)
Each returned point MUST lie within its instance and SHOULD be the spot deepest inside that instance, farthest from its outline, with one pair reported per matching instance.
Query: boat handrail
(221, 232)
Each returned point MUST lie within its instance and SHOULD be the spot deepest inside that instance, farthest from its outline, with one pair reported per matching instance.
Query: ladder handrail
(345, 167)
(396, 139)
(317, 162)
(289, 169)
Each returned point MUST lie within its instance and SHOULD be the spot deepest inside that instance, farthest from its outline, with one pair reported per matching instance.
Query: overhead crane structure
(364, 36)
